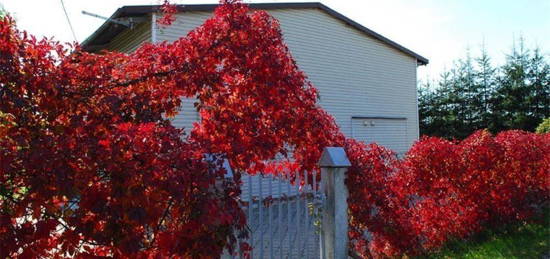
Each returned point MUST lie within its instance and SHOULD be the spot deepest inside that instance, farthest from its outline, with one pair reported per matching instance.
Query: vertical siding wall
(356, 75)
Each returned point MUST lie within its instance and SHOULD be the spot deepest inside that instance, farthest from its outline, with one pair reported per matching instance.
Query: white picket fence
(282, 217)
(287, 219)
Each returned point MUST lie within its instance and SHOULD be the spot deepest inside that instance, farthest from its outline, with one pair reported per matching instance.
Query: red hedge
(444, 189)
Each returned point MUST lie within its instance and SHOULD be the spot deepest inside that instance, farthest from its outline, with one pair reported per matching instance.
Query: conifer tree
(475, 95)
(485, 87)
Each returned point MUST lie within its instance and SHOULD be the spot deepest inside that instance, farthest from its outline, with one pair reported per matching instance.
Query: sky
(440, 30)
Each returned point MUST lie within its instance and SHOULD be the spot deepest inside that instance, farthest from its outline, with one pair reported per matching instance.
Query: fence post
(334, 227)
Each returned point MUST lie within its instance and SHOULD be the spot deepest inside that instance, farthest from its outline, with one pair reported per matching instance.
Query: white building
(366, 81)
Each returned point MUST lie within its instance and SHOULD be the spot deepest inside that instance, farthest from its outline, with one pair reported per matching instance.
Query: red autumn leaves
(443, 190)
(90, 165)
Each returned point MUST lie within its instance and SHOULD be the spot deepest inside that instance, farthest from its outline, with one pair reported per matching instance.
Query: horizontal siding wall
(184, 23)
(356, 75)
(389, 133)
(130, 39)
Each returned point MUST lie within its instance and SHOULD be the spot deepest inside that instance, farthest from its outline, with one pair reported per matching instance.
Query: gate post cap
(334, 157)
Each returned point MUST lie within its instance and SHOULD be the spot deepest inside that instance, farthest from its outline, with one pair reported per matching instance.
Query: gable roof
(109, 30)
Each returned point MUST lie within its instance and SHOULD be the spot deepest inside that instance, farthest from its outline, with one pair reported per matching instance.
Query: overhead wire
(68, 20)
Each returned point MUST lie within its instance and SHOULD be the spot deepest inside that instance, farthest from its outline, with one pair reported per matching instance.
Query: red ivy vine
(90, 165)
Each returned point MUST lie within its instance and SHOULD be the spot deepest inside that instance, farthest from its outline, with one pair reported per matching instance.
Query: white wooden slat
(270, 217)
(250, 217)
(307, 223)
(261, 218)
(288, 219)
(292, 234)
(298, 214)
(279, 218)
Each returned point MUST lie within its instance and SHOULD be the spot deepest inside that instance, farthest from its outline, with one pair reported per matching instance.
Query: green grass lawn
(521, 240)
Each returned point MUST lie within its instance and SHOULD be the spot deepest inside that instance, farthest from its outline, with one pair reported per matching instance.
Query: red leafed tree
(90, 164)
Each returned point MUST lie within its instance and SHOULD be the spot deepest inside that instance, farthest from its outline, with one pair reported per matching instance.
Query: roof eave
(100, 30)
(139, 10)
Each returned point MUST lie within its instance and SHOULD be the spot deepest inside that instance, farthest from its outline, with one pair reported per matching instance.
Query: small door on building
(389, 132)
